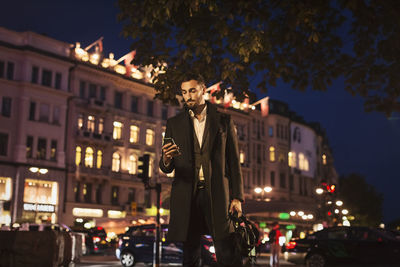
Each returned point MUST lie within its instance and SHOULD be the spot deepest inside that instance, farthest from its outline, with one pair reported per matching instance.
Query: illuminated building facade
(81, 117)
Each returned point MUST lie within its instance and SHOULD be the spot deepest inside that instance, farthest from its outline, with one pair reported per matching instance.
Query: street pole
(158, 225)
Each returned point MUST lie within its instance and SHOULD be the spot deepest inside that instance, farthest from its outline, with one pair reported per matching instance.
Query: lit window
(117, 132)
(99, 160)
(41, 192)
(324, 159)
(78, 155)
(272, 153)
(132, 165)
(90, 124)
(151, 163)
(301, 161)
(241, 156)
(116, 162)
(292, 159)
(134, 134)
(80, 121)
(101, 126)
(306, 165)
(149, 137)
(89, 157)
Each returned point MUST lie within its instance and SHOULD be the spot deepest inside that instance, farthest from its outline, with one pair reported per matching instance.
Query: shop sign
(39, 207)
(82, 212)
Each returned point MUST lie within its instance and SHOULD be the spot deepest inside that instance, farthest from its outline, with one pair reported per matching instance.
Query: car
(138, 245)
(95, 239)
(342, 245)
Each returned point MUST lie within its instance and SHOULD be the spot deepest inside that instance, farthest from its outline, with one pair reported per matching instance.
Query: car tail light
(96, 239)
(291, 245)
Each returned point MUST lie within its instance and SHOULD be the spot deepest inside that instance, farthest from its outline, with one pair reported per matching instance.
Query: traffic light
(144, 168)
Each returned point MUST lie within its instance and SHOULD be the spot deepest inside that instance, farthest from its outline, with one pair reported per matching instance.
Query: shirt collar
(203, 113)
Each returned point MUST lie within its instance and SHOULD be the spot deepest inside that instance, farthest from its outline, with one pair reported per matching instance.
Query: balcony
(106, 137)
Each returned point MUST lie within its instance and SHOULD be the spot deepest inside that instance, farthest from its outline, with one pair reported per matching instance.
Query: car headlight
(211, 249)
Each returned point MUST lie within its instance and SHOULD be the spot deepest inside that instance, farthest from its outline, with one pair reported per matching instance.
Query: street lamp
(339, 203)
(259, 190)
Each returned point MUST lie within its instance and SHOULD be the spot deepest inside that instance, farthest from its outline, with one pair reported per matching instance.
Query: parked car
(137, 245)
(95, 239)
(339, 245)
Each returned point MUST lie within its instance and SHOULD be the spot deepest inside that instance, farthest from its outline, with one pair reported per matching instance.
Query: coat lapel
(213, 122)
(186, 133)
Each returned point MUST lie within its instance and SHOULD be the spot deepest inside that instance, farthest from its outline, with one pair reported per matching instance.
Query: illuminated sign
(284, 216)
(80, 212)
(262, 224)
(39, 207)
(290, 227)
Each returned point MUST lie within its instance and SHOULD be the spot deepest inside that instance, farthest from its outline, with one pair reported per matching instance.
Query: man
(208, 180)
(274, 236)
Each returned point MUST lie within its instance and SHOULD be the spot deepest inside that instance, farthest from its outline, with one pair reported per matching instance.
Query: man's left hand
(236, 205)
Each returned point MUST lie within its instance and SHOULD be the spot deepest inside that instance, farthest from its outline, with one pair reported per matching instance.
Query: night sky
(364, 143)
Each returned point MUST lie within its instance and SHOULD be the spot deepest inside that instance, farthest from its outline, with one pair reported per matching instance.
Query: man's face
(193, 93)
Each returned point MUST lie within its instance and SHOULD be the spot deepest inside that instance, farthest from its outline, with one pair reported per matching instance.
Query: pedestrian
(208, 181)
(274, 236)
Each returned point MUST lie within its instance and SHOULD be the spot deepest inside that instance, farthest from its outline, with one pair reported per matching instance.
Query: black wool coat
(225, 181)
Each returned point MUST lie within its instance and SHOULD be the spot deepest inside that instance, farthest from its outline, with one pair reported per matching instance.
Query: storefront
(5, 200)
(40, 201)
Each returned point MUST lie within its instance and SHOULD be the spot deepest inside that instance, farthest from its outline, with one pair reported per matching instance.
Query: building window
(10, 71)
(3, 144)
(53, 150)
(272, 157)
(131, 195)
(134, 134)
(292, 159)
(40, 192)
(132, 164)
(149, 137)
(77, 191)
(271, 131)
(242, 156)
(101, 126)
(324, 159)
(272, 178)
(92, 90)
(29, 147)
(151, 166)
(114, 195)
(134, 104)
(87, 193)
(89, 157)
(78, 155)
(117, 132)
(278, 129)
(99, 193)
(46, 77)
(282, 180)
(58, 80)
(41, 148)
(164, 112)
(90, 123)
(82, 89)
(150, 108)
(32, 111)
(118, 100)
(116, 162)
(56, 115)
(102, 93)
(44, 112)
(99, 160)
(35, 74)
(80, 121)
(291, 183)
(6, 107)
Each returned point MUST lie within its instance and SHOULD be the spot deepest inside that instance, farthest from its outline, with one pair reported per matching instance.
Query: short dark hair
(193, 76)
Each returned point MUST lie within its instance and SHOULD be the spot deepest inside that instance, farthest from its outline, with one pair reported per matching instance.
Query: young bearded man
(208, 180)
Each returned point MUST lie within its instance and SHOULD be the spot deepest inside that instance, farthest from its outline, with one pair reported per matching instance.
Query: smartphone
(167, 140)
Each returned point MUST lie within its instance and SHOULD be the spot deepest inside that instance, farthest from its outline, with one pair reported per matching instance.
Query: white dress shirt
(199, 127)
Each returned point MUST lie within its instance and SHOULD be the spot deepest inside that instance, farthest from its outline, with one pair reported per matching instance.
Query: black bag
(246, 235)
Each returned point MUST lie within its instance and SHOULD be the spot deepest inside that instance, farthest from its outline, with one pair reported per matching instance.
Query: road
(106, 261)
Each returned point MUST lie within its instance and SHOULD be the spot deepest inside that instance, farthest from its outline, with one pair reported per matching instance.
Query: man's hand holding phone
(170, 150)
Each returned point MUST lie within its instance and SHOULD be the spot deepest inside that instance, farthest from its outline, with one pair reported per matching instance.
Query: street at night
(199, 132)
